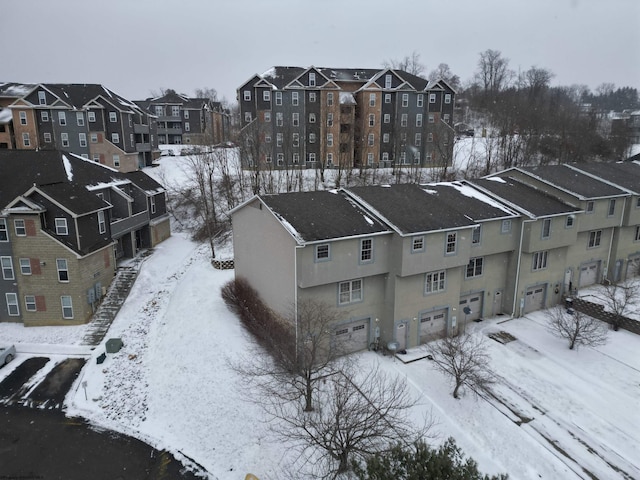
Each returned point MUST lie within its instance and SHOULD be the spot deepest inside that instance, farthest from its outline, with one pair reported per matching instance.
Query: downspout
(613, 229)
(295, 292)
(516, 283)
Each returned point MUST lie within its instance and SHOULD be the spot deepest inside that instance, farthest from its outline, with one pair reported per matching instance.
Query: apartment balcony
(143, 147)
(169, 118)
(138, 128)
(170, 131)
(120, 226)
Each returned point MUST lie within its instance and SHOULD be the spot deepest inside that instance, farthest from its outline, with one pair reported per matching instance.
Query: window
(330, 98)
(570, 221)
(451, 243)
(116, 160)
(47, 137)
(590, 207)
(385, 156)
(330, 158)
(312, 158)
(80, 119)
(25, 266)
(64, 139)
(247, 117)
(636, 238)
(385, 138)
(115, 138)
(329, 139)
(312, 97)
(546, 228)
(267, 138)
(435, 282)
(387, 80)
(7, 268)
(67, 306)
(266, 95)
(370, 139)
(540, 260)
(366, 250)
(430, 137)
(44, 115)
(403, 158)
(187, 127)
(312, 118)
(447, 98)
(387, 98)
(475, 235)
(186, 115)
(61, 226)
(42, 98)
(405, 99)
(279, 139)
(612, 207)
(312, 138)
(416, 158)
(506, 226)
(417, 244)
(432, 118)
(102, 225)
(474, 268)
(94, 138)
(30, 303)
(63, 269)
(446, 117)
(279, 119)
(404, 119)
(159, 110)
(267, 117)
(26, 141)
(295, 99)
(278, 98)
(296, 139)
(12, 304)
(312, 79)
(296, 157)
(21, 230)
(372, 99)
(432, 98)
(322, 252)
(417, 140)
(419, 120)
(594, 238)
(91, 116)
(247, 95)
(295, 119)
(349, 292)
(62, 118)
(372, 120)
(4, 231)
(420, 100)
(387, 118)
(23, 118)
(369, 158)
(329, 119)
(82, 138)
(280, 159)
(113, 117)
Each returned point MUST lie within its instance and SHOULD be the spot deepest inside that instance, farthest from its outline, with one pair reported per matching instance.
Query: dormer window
(312, 79)
(61, 226)
(42, 98)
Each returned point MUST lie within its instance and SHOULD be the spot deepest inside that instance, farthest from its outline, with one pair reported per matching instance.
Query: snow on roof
(16, 90)
(471, 192)
(346, 98)
(497, 179)
(5, 115)
(368, 220)
(67, 168)
(271, 73)
(290, 228)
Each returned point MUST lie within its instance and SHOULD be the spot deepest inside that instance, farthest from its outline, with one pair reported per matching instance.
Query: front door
(401, 335)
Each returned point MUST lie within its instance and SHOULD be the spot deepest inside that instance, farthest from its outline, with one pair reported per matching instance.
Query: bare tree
(410, 64)
(620, 299)
(576, 327)
(493, 73)
(360, 413)
(464, 358)
(444, 72)
(206, 92)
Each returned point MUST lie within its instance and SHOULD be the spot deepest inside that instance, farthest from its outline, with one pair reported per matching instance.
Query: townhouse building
(410, 263)
(86, 119)
(181, 119)
(327, 117)
(65, 221)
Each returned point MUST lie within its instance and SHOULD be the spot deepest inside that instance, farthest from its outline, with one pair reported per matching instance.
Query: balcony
(140, 129)
(143, 147)
(125, 225)
(169, 118)
(170, 131)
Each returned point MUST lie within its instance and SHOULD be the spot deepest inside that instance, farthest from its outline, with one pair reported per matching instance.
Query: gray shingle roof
(573, 181)
(623, 174)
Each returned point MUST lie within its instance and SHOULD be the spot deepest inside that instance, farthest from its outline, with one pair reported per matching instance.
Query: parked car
(7, 354)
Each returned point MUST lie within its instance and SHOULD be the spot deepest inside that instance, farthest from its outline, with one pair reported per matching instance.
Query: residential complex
(410, 263)
(64, 223)
(338, 117)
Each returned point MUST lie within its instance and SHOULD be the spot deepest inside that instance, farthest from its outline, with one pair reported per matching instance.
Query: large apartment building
(181, 119)
(305, 117)
(87, 119)
(410, 263)
(64, 223)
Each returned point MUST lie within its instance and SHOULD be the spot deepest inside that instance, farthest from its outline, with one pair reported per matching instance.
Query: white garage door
(474, 302)
(433, 325)
(534, 298)
(352, 337)
(588, 274)
(633, 267)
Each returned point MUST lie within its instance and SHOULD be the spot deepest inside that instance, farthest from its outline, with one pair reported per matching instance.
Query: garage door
(633, 267)
(433, 325)
(352, 337)
(474, 302)
(534, 298)
(588, 274)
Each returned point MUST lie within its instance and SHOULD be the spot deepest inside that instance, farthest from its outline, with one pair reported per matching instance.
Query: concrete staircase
(110, 305)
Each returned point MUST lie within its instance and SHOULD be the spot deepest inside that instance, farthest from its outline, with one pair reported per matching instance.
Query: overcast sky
(136, 46)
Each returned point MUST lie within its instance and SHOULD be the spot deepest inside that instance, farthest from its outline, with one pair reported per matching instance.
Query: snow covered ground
(554, 414)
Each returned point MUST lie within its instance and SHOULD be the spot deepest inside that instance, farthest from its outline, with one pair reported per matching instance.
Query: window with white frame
(82, 138)
(267, 138)
(295, 158)
(404, 120)
(432, 98)
(295, 119)
(247, 95)
(387, 118)
(416, 157)
(113, 117)
(247, 117)
(435, 282)
(64, 139)
(612, 207)
(429, 137)
(279, 119)
(322, 252)
(67, 306)
(159, 109)
(385, 138)
(296, 139)
(369, 158)
(280, 159)
(370, 139)
(20, 228)
(506, 226)
(25, 266)
(372, 120)
(30, 303)
(330, 99)
(546, 228)
(417, 244)
(44, 115)
(312, 157)
(295, 99)
(61, 226)
(420, 100)
(26, 141)
(329, 119)
(419, 120)
(475, 235)
(91, 116)
(366, 250)
(63, 269)
(329, 139)
(42, 97)
(474, 267)
(387, 98)
(570, 221)
(312, 118)
(385, 156)
(447, 98)
(451, 243)
(540, 260)
(4, 231)
(432, 118)
(278, 139)
(116, 160)
(7, 268)
(115, 138)
(278, 98)
(80, 119)
(187, 127)
(94, 138)
(102, 225)
(417, 141)
(387, 80)
(594, 238)
(350, 291)
(175, 110)
(62, 118)
(312, 79)
(446, 117)
(403, 158)
(312, 97)
(330, 159)
(266, 95)
(23, 118)
(47, 137)
(186, 114)
(405, 99)
(372, 99)
(590, 207)
(312, 138)
(267, 117)
(12, 304)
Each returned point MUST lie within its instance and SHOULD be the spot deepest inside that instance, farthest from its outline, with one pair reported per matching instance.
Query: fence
(596, 310)
(223, 264)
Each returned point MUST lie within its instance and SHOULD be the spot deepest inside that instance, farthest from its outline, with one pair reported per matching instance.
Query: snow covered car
(7, 354)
